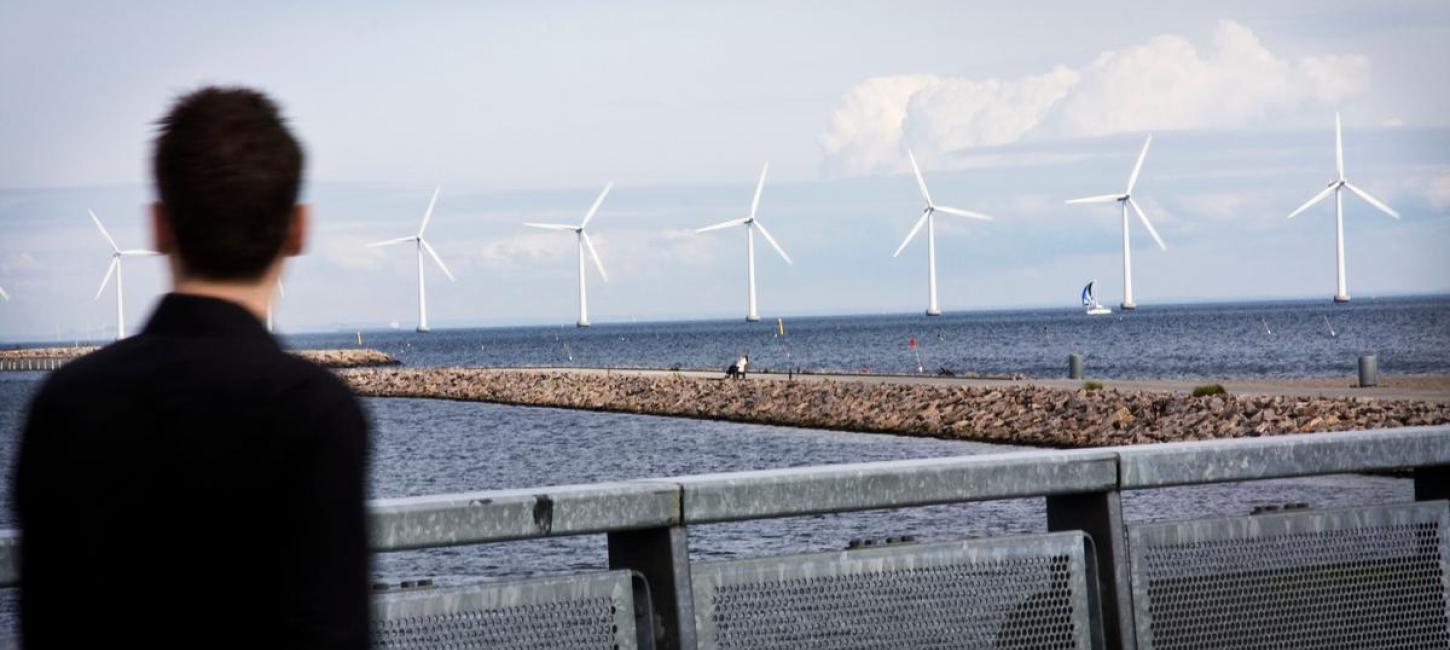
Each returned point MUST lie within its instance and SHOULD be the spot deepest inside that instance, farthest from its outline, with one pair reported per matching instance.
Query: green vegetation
(1209, 389)
(1092, 385)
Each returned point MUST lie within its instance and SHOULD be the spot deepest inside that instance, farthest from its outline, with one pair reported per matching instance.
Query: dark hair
(228, 171)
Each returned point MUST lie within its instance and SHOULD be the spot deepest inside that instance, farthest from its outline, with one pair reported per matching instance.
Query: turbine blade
(597, 202)
(920, 182)
(1133, 180)
(1148, 224)
(429, 213)
(439, 260)
(914, 229)
(594, 255)
(4, 295)
(724, 224)
(138, 251)
(110, 270)
(281, 290)
(759, 185)
(962, 213)
(1316, 198)
(1338, 148)
(1102, 198)
(390, 242)
(774, 244)
(1372, 201)
(552, 226)
(112, 242)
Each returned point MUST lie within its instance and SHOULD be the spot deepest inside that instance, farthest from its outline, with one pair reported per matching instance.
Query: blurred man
(195, 485)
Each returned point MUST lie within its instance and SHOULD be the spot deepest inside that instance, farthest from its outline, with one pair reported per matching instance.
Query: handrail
(1249, 459)
(502, 515)
(792, 492)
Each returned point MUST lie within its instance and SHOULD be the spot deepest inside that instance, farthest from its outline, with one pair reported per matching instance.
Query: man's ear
(162, 240)
(296, 241)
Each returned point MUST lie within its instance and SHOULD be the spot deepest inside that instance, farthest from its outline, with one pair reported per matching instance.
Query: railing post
(1100, 515)
(1432, 483)
(662, 555)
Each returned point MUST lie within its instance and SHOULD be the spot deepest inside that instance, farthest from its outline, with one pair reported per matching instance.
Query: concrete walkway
(1413, 388)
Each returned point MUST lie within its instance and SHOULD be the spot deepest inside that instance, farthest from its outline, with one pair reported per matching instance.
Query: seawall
(1011, 413)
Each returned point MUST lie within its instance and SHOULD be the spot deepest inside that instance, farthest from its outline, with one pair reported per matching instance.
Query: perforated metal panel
(586, 612)
(1355, 578)
(1022, 593)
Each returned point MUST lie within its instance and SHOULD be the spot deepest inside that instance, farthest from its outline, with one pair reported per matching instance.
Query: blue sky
(522, 113)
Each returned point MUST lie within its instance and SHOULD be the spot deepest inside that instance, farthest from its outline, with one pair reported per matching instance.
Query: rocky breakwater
(348, 358)
(345, 358)
(1014, 414)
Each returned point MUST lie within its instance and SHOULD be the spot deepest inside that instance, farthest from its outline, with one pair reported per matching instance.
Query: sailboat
(1094, 308)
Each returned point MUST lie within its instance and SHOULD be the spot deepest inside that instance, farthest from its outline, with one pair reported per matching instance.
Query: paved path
(1427, 388)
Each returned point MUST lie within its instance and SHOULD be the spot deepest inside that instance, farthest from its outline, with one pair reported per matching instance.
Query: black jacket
(193, 486)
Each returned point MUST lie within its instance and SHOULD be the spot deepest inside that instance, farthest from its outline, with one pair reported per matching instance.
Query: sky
(523, 112)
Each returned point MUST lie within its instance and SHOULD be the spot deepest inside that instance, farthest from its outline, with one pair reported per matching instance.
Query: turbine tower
(1126, 201)
(1341, 294)
(583, 243)
(281, 293)
(751, 225)
(422, 245)
(928, 219)
(115, 268)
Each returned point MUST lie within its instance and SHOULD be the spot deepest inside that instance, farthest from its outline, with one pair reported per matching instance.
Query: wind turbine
(115, 268)
(751, 225)
(928, 219)
(422, 245)
(583, 242)
(1335, 186)
(281, 293)
(1126, 201)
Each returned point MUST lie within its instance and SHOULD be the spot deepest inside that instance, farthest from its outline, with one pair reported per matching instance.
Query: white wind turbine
(1126, 201)
(751, 225)
(1339, 183)
(583, 243)
(281, 293)
(115, 268)
(928, 219)
(422, 245)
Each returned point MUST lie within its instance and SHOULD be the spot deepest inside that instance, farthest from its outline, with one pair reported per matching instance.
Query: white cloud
(1163, 84)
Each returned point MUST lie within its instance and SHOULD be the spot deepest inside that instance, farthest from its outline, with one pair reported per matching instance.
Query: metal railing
(647, 522)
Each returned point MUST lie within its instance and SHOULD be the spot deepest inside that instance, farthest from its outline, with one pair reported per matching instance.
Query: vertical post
(662, 556)
(1127, 263)
(1369, 371)
(422, 294)
(751, 314)
(932, 308)
(120, 304)
(1100, 515)
(1432, 483)
(1341, 289)
(583, 291)
(1074, 366)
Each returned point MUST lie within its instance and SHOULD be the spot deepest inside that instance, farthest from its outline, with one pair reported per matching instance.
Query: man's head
(227, 175)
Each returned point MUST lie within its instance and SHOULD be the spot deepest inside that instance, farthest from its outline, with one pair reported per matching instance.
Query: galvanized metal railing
(1093, 580)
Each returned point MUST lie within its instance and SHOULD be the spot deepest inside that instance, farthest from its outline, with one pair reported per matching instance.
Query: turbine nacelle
(1126, 197)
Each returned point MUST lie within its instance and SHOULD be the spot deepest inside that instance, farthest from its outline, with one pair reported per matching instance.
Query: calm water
(430, 446)
(1283, 339)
